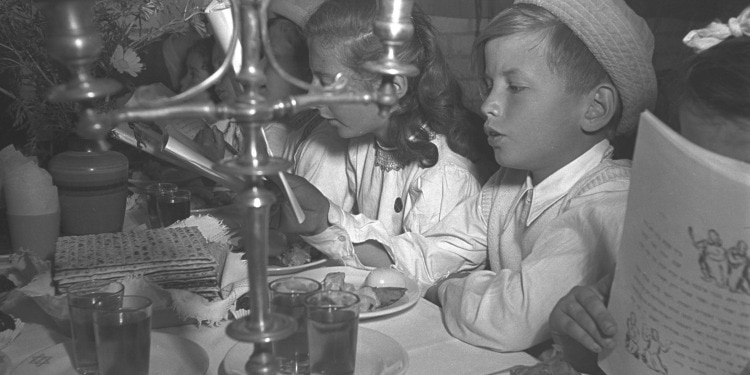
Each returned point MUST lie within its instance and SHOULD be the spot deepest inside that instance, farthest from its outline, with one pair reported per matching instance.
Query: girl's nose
(491, 107)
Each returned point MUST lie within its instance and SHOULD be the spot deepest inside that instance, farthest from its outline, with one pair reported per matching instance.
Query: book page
(681, 293)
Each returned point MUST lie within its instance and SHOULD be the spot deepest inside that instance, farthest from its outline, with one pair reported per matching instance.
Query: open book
(681, 293)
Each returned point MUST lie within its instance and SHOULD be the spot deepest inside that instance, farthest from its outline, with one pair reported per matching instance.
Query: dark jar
(93, 190)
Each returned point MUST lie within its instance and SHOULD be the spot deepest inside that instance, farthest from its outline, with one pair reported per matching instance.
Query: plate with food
(288, 253)
(382, 291)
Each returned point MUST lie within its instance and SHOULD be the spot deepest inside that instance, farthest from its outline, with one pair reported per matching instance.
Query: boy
(561, 77)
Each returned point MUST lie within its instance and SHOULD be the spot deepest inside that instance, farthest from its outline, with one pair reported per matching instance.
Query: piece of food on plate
(297, 255)
(290, 250)
(370, 298)
(378, 298)
(335, 281)
(388, 295)
(385, 277)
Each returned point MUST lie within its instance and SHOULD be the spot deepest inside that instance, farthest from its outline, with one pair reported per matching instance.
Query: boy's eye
(515, 89)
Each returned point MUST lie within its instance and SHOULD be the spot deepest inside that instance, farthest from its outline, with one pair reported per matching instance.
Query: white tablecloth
(419, 330)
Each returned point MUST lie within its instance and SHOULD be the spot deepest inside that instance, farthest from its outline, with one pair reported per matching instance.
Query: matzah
(171, 257)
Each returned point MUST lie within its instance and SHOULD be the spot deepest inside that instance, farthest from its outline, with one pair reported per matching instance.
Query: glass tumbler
(288, 297)
(83, 299)
(332, 325)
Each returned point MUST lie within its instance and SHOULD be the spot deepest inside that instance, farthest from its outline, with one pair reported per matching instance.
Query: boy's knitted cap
(621, 41)
(298, 11)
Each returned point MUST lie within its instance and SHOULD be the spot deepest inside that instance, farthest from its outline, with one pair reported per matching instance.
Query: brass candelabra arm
(97, 125)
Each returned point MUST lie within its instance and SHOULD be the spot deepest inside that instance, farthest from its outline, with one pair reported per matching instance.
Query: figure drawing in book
(739, 268)
(651, 354)
(631, 336)
(645, 346)
(728, 268)
(712, 258)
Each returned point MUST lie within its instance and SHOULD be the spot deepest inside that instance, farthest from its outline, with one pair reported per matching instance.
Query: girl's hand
(211, 141)
(581, 324)
(313, 203)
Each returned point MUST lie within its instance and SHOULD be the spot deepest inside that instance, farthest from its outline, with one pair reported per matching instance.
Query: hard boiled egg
(385, 277)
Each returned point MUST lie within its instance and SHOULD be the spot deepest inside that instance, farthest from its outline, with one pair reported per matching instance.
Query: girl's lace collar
(388, 158)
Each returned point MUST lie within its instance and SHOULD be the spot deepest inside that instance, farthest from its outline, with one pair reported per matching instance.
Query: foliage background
(132, 32)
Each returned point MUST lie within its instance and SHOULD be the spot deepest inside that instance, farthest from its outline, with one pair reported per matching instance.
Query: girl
(404, 172)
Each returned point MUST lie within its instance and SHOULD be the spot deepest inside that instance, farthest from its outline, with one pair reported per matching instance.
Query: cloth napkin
(219, 15)
(27, 189)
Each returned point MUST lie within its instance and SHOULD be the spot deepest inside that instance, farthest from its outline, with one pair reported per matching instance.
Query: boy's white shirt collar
(554, 187)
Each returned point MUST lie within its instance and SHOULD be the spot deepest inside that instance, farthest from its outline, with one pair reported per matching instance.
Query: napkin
(27, 188)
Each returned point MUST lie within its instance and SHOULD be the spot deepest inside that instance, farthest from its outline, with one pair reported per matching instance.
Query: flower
(126, 62)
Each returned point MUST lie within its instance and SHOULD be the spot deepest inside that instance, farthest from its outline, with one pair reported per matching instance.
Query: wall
(669, 20)
(456, 40)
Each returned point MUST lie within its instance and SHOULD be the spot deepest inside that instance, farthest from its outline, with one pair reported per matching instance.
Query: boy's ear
(602, 107)
(401, 84)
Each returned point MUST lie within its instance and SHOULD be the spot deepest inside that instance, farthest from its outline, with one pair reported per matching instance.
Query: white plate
(377, 354)
(278, 270)
(356, 277)
(170, 354)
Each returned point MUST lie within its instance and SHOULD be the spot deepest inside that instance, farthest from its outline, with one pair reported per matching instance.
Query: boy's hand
(313, 203)
(432, 293)
(583, 316)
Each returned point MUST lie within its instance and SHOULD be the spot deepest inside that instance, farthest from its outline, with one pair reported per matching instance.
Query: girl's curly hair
(433, 96)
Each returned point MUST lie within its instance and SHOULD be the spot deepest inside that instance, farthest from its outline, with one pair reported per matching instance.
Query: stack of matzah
(174, 258)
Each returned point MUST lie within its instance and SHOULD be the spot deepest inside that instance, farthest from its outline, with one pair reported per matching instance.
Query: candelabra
(74, 40)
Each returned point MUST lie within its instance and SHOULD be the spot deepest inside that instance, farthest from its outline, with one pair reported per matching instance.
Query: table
(431, 349)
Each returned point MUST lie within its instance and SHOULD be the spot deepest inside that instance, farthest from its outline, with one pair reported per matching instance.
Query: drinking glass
(332, 322)
(83, 299)
(288, 297)
(173, 206)
(123, 337)
(153, 192)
